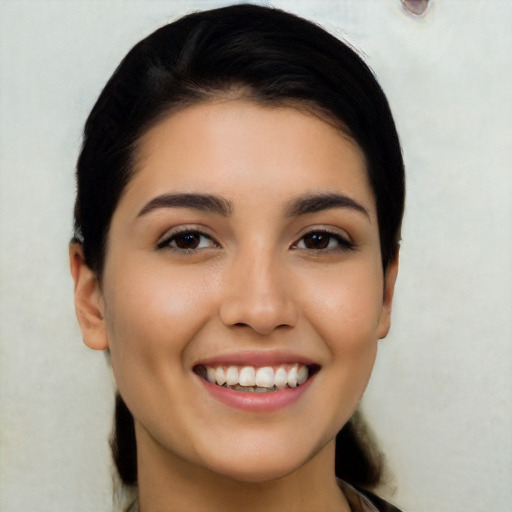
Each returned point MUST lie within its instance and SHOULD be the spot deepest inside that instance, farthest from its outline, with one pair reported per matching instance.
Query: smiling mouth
(265, 379)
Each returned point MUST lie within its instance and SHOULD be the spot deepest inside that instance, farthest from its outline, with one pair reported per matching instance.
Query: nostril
(258, 311)
(242, 324)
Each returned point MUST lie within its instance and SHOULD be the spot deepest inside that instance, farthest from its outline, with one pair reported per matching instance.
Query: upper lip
(258, 358)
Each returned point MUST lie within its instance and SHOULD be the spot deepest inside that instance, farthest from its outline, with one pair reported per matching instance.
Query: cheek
(345, 305)
(344, 311)
(151, 316)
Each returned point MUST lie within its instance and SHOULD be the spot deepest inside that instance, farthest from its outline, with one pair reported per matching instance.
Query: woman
(240, 195)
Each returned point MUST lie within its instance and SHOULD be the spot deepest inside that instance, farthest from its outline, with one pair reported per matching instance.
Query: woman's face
(246, 248)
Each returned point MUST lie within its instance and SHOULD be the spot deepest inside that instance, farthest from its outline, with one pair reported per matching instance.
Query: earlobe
(89, 304)
(389, 289)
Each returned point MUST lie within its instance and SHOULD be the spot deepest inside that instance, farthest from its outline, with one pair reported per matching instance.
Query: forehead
(238, 148)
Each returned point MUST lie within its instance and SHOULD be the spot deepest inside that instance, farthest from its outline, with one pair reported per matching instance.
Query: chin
(257, 473)
(260, 465)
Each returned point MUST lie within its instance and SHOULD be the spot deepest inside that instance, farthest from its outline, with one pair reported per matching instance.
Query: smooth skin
(260, 272)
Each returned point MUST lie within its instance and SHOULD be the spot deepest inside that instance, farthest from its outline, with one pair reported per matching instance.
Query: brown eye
(317, 241)
(323, 241)
(187, 241)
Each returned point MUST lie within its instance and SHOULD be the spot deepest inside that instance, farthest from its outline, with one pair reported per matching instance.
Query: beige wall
(440, 399)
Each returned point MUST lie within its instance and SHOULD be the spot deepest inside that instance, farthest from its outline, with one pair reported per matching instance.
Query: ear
(390, 276)
(89, 303)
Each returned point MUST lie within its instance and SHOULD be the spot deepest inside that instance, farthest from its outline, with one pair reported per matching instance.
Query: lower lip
(254, 401)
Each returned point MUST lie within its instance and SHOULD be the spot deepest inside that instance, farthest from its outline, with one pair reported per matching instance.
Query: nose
(257, 295)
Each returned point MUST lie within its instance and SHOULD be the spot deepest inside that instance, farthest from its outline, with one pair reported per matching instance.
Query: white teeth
(280, 378)
(220, 376)
(232, 376)
(265, 377)
(210, 374)
(302, 375)
(292, 376)
(247, 376)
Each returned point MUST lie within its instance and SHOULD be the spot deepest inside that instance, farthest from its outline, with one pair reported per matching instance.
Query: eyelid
(324, 228)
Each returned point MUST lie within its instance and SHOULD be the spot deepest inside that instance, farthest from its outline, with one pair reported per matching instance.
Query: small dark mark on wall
(416, 8)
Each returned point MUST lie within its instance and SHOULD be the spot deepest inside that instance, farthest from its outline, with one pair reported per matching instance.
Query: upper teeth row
(264, 377)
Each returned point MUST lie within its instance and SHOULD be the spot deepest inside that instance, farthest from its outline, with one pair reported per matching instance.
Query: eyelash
(344, 244)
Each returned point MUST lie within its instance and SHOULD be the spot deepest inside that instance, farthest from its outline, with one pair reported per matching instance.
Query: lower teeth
(251, 389)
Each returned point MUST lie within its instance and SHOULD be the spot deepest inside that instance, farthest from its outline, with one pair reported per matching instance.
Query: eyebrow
(196, 201)
(312, 203)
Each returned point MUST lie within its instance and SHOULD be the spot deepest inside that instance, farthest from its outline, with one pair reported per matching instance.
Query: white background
(440, 398)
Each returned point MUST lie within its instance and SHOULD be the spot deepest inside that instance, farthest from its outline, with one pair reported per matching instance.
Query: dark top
(379, 503)
(361, 500)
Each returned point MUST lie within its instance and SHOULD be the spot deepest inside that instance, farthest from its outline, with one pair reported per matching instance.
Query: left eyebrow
(312, 203)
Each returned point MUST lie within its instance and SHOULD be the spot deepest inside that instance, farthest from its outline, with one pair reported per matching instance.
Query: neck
(169, 483)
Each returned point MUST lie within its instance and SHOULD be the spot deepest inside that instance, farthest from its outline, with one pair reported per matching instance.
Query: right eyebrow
(312, 203)
(196, 201)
